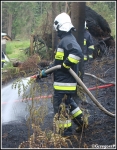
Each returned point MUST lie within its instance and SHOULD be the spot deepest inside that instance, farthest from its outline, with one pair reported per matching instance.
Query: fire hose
(49, 96)
(79, 81)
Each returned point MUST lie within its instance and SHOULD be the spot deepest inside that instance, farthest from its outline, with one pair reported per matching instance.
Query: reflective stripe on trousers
(64, 124)
(76, 112)
(85, 57)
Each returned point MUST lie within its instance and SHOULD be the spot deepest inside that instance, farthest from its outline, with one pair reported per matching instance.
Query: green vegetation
(32, 18)
(16, 49)
(27, 17)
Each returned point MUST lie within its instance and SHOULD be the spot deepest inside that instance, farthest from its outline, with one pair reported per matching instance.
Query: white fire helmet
(63, 22)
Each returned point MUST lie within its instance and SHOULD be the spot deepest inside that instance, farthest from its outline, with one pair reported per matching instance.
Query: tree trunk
(31, 45)
(66, 6)
(78, 20)
(9, 24)
(41, 8)
(54, 33)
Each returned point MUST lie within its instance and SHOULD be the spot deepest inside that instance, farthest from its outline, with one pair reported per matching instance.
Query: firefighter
(3, 41)
(88, 50)
(88, 47)
(3, 59)
(68, 55)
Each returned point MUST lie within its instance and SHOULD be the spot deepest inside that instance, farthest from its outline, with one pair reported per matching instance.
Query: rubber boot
(67, 132)
(77, 120)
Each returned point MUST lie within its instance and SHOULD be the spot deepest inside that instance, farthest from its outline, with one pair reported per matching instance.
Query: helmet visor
(55, 25)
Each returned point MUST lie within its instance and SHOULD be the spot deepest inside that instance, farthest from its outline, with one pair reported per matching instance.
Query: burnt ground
(100, 132)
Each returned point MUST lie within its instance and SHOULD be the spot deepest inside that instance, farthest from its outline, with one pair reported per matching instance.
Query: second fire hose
(83, 86)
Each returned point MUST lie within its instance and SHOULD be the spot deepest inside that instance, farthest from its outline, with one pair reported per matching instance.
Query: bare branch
(88, 74)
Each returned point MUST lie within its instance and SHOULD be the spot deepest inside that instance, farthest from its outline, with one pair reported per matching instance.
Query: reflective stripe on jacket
(3, 60)
(59, 54)
(69, 54)
(64, 86)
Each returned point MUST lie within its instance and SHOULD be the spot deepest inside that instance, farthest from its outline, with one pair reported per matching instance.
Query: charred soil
(101, 127)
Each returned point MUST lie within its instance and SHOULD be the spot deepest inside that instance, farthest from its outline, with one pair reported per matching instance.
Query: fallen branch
(101, 80)
(108, 70)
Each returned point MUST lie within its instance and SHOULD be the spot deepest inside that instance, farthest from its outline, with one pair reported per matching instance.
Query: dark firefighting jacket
(88, 45)
(68, 52)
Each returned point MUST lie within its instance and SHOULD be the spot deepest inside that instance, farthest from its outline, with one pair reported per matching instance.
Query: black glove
(64, 69)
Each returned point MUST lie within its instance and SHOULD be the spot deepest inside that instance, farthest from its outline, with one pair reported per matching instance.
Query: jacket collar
(63, 34)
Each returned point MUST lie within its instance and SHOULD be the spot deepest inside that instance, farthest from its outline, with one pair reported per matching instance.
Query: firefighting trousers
(75, 111)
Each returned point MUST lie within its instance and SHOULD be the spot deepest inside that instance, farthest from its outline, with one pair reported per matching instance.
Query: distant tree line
(23, 18)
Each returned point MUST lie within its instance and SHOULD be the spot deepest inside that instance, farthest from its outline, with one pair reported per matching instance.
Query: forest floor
(100, 132)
